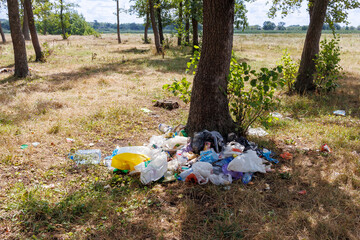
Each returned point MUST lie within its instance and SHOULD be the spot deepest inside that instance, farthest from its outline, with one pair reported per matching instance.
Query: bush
(290, 69)
(246, 103)
(327, 65)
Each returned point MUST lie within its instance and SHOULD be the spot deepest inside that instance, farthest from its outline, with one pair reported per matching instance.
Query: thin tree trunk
(146, 40)
(161, 34)
(62, 19)
(187, 29)
(180, 23)
(34, 36)
(118, 21)
(209, 107)
(2, 34)
(154, 27)
(21, 64)
(195, 28)
(305, 79)
(25, 28)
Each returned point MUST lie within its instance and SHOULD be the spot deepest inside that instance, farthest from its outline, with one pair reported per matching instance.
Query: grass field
(92, 90)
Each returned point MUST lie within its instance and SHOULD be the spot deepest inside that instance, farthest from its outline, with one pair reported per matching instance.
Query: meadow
(92, 90)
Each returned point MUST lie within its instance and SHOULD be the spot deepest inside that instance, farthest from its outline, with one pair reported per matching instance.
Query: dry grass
(92, 90)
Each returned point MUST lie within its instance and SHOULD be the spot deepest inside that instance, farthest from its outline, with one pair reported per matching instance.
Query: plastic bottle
(247, 177)
(92, 156)
(184, 174)
(164, 128)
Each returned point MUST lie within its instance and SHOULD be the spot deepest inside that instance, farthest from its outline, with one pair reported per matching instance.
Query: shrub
(290, 69)
(327, 65)
(246, 103)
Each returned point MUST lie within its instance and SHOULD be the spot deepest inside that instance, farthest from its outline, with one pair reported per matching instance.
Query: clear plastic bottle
(92, 156)
(164, 128)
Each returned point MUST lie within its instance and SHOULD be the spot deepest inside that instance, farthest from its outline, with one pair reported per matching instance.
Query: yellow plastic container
(127, 161)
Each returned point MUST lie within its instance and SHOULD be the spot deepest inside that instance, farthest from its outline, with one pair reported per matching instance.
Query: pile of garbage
(172, 156)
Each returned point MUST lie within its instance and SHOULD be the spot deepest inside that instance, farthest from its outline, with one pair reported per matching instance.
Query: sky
(103, 11)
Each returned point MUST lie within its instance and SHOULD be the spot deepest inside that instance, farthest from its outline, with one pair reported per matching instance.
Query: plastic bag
(127, 161)
(233, 148)
(248, 162)
(209, 156)
(176, 142)
(156, 168)
(202, 171)
(221, 179)
(235, 175)
(199, 139)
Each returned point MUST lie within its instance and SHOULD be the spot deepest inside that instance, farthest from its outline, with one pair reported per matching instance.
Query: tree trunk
(62, 20)
(2, 34)
(34, 36)
(195, 28)
(154, 27)
(180, 23)
(305, 79)
(146, 40)
(21, 64)
(25, 28)
(161, 34)
(187, 29)
(118, 21)
(209, 106)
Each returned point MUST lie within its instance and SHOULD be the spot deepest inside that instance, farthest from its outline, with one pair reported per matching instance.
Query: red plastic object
(326, 148)
(302, 192)
(191, 178)
(286, 156)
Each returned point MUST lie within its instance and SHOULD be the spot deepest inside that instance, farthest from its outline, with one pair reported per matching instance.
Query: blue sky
(103, 11)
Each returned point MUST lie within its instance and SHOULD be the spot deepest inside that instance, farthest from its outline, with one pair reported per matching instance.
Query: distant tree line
(78, 26)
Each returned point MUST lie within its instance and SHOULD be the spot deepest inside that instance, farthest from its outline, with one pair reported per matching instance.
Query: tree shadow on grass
(346, 97)
(132, 50)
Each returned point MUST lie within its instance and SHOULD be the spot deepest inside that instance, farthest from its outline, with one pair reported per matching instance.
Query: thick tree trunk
(180, 23)
(209, 107)
(62, 20)
(154, 27)
(34, 36)
(21, 64)
(118, 21)
(305, 79)
(161, 34)
(195, 28)
(25, 28)
(146, 40)
(2, 34)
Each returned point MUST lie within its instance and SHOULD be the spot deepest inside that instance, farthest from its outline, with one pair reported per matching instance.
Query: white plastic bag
(248, 162)
(176, 142)
(233, 148)
(133, 149)
(155, 170)
(221, 179)
(202, 171)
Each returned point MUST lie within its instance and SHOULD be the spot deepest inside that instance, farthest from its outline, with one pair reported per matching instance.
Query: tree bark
(34, 36)
(146, 40)
(161, 34)
(21, 64)
(209, 106)
(154, 27)
(118, 21)
(62, 19)
(180, 23)
(25, 28)
(305, 79)
(187, 29)
(2, 34)
(195, 28)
